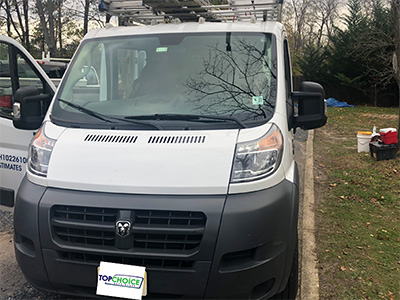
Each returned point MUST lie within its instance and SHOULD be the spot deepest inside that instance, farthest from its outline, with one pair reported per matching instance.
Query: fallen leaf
(333, 184)
(367, 224)
(359, 247)
(343, 268)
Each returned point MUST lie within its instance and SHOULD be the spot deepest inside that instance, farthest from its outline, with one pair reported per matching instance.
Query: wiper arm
(86, 111)
(187, 117)
(104, 117)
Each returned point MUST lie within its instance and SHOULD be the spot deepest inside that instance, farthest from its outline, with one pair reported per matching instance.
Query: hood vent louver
(177, 139)
(104, 138)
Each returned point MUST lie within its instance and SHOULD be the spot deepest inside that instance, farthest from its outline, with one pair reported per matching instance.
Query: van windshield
(203, 74)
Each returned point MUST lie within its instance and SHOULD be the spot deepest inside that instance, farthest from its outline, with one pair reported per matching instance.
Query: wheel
(290, 291)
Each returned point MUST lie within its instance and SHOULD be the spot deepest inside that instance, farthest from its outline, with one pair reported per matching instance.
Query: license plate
(119, 280)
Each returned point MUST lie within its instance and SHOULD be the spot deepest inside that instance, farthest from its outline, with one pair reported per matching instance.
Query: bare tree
(301, 12)
(324, 15)
(17, 19)
(48, 32)
(86, 10)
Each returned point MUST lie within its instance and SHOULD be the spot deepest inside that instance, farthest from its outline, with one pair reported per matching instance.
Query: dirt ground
(7, 263)
(13, 285)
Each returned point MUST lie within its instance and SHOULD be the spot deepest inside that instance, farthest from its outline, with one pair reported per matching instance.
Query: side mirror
(29, 107)
(311, 106)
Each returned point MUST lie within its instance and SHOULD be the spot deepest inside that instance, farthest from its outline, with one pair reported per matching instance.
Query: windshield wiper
(86, 111)
(187, 117)
(105, 118)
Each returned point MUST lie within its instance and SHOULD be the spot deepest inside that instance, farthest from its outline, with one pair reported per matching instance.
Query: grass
(358, 209)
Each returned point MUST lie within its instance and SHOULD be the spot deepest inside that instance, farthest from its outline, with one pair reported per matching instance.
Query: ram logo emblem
(123, 228)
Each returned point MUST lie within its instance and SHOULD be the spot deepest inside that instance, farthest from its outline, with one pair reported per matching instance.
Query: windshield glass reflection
(222, 74)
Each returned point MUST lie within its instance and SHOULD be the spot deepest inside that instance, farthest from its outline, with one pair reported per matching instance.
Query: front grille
(84, 225)
(153, 230)
(149, 263)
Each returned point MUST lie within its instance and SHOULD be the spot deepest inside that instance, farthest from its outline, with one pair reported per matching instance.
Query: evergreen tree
(359, 58)
(345, 66)
(313, 63)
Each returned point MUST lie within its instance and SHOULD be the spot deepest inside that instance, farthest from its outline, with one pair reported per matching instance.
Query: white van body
(14, 142)
(169, 178)
(211, 200)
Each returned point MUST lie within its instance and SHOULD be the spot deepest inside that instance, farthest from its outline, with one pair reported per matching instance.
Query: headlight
(39, 154)
(259, 158)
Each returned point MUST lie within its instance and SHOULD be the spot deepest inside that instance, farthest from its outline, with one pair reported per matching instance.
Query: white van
(167, 146)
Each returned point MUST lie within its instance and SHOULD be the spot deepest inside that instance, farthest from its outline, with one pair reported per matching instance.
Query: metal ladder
(148, 11)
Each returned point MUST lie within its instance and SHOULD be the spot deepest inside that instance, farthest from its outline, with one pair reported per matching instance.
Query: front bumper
(235, 246)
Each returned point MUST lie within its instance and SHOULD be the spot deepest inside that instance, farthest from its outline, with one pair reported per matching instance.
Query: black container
(382, 151)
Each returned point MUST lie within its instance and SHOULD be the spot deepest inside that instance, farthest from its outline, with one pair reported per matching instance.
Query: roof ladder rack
(147, 11)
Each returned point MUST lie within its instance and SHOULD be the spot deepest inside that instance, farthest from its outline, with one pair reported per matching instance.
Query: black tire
(290, 291)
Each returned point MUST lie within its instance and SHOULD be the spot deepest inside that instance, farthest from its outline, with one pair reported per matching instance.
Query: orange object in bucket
(364, 132)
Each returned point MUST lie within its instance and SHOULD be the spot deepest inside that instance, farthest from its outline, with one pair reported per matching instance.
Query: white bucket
(363, 142)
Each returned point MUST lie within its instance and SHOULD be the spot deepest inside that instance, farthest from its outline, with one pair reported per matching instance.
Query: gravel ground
(6, 221)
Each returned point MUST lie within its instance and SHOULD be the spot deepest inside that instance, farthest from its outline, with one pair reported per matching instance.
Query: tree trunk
(10, 21)
(60, 28)
(26, 17)
(21, 24)
(86, 17)
(6, 8)
(52, 40)
(42, 18)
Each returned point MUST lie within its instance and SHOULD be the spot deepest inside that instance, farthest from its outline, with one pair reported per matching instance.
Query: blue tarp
(332, 102)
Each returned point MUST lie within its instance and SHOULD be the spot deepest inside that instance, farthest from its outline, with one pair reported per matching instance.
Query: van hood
(143, 162)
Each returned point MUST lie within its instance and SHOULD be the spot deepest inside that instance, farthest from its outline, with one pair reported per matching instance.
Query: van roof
(189, 27)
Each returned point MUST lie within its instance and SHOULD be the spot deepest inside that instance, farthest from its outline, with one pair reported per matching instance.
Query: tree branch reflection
(227, 81)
